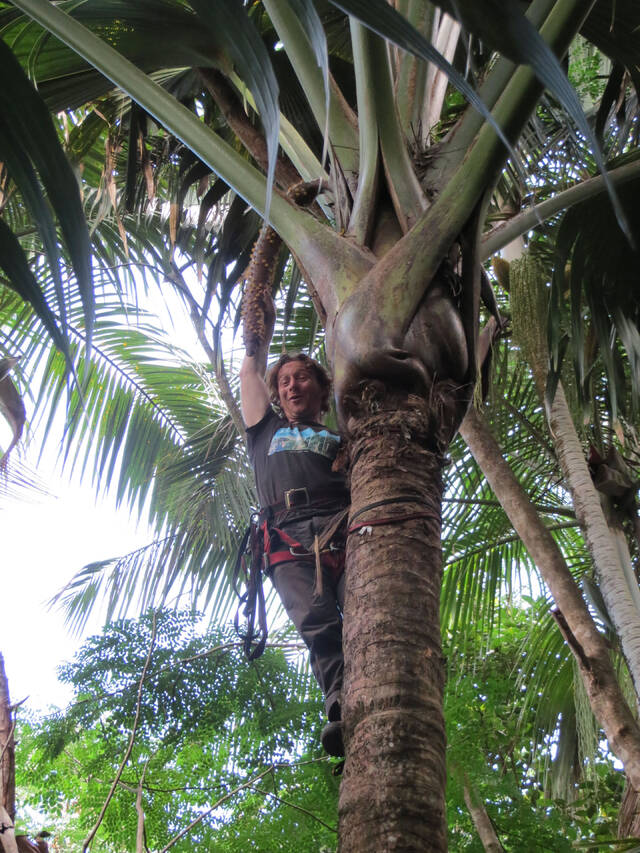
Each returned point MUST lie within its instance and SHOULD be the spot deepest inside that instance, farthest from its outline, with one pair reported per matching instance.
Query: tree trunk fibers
(574, 620)
(482, 822)
(629, 814)
(7, 767)
(392, 793)
(7, 748)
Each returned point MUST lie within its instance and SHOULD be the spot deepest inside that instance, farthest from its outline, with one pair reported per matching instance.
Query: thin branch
(218, 803)
(199, 318)
(227, 395)
(250, 783)
(141, 847)
(131, 740)
(294, 806)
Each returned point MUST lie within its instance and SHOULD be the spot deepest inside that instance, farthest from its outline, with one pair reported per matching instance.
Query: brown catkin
(261, 271)
(259, 283)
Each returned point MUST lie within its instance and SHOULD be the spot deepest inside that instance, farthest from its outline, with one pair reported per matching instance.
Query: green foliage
(587, 68)
(214, 733)
(497, 749)
(214, 729)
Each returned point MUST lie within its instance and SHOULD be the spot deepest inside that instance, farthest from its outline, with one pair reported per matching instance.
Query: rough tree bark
(394, 674)
(7, 747)
(7, 767)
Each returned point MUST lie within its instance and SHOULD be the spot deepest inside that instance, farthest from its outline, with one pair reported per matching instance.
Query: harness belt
(297, 498)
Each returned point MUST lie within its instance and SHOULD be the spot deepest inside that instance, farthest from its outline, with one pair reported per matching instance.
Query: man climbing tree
(303, 500)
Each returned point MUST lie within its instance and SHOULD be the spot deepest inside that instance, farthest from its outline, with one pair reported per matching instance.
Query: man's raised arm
(258, 323)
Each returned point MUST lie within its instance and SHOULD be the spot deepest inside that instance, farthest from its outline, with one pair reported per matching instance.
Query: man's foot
(331, 739)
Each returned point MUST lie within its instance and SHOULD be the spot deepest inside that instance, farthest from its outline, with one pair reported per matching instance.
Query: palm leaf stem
(505, 540)
(406, 193)
(503, 234)
(543, 508)
(411, 75)
(460, 139)
(540, 438)
(342, 124)
(363, 210)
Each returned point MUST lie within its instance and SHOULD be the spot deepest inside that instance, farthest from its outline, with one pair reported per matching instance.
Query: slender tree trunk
(7, 767)
(529, 299)
(392, 793)
(7, 747)
(619, 595)
(482, 822)
(574, 620)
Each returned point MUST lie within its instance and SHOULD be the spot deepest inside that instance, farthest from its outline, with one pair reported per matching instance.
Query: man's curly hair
(318, 371)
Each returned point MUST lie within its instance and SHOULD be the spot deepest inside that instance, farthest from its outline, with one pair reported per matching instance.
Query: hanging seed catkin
(259, 283)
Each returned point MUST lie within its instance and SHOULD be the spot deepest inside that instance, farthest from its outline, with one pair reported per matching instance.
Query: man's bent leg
(318, 621)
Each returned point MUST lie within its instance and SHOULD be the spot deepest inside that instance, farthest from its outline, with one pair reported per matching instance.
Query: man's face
(299, 391)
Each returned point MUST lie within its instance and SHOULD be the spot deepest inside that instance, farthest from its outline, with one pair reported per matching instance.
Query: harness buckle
(296, 497)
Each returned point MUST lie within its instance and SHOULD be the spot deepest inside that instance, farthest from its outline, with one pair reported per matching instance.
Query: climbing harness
(261, 550)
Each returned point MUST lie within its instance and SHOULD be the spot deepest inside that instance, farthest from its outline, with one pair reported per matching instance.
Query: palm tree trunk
(620, 593)
(574, 620)
(392, 793)
(529, 300)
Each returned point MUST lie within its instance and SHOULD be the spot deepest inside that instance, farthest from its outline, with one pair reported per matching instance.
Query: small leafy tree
(219, 754)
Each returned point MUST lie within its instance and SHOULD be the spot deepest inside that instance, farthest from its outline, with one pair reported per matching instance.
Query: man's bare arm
(254, 394)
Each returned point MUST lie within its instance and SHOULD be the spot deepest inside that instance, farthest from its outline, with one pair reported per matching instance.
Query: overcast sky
(45, 540)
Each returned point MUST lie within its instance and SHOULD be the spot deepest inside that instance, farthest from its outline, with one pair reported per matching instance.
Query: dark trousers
(318, 619)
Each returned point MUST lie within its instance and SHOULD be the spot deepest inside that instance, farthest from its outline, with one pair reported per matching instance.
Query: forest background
(171, 734)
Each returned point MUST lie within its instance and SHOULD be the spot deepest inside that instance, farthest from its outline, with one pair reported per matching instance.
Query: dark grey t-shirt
(291, 457)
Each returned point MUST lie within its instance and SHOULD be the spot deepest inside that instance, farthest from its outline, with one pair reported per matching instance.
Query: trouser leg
(318, 619)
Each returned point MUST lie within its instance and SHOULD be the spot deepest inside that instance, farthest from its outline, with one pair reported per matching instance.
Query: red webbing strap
(273, 558)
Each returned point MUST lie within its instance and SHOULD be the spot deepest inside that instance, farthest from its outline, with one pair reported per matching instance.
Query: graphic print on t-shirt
(291, 438)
